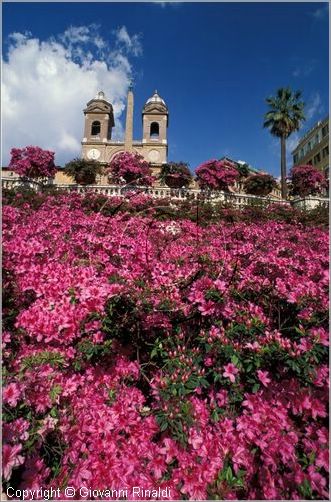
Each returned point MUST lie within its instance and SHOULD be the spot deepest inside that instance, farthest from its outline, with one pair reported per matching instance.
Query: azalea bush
(259, 184)
(83, 171)
(129, 168)
(32, 162)
(217, 175)
(160, 353)
(201, 212)
(175, 174)
(307, 180)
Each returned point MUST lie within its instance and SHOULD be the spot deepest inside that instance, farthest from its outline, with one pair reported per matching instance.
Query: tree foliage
(259, 184)
(285, 115)
(176, 174)
(286, 112)
(83, 171)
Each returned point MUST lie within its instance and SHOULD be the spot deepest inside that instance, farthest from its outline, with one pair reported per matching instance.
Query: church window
(96, 127)
(154, 132)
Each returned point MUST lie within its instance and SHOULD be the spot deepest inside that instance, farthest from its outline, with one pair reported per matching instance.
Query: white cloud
(76, 34)
(46, 85)
(314, 107)
(305, 69)
(293, 141)
(130, 43)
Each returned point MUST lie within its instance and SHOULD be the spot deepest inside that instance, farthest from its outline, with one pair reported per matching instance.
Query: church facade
(99, 145)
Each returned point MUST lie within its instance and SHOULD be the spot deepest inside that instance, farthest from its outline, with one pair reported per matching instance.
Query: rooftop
(156, 98)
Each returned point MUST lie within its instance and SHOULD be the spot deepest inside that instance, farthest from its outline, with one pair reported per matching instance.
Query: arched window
(96, 128)
(154, 132)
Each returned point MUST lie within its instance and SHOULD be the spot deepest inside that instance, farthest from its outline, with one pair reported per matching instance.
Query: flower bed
(162, 354)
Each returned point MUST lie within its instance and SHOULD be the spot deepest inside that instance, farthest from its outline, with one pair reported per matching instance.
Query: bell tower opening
(99, 119)
(155, 130)
(96, 128)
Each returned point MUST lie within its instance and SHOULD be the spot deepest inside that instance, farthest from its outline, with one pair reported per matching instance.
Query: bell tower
(155, 124)
(99, 120)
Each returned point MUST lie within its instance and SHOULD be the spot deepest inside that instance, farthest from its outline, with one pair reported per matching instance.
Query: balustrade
(234, 199)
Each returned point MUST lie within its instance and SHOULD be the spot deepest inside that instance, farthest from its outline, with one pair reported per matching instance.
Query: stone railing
(238, 200)
(17, 182)
(310, 202)
(233, 199)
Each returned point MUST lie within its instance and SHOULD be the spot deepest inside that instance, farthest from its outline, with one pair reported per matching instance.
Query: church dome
(156, 99)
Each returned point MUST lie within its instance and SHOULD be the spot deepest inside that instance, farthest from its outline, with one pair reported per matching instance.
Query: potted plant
(83, 171)
(32, 163)
(175, 175)
(129, 168)
(259, 184)
(217, 175)
(306, 180)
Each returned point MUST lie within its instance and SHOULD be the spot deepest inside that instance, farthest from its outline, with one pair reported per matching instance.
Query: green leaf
(229, 475)
(234, 359)
(55, 391)
(305, 489)
(255, 388)
(54, 413)
(163, 426)
(214, 416)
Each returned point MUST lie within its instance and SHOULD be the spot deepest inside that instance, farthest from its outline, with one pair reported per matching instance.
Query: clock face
(153, 155)
(94, 153)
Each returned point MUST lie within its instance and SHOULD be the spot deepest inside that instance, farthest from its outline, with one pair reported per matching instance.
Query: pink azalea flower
(11, 459)
(72, 266)
(263, 376)
(230, 372)
(322, 459)
(11, 394)
(222, 398)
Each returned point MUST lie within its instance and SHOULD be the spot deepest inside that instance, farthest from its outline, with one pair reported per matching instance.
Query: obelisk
(129, 121)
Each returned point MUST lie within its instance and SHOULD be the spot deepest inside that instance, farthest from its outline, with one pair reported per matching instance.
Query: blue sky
(213, 63)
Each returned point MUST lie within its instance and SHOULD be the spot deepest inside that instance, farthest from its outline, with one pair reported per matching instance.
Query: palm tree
(284, 117)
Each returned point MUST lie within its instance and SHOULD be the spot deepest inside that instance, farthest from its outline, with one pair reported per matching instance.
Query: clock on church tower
(93, 154)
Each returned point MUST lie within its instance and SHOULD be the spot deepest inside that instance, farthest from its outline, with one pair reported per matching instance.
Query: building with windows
(99, 145)
(313, 148)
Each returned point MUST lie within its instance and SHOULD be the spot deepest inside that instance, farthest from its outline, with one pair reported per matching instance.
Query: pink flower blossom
(97, 284)
(263, 376)
(230, 372)
(11, 459)
(32, 162)
(11, 394)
